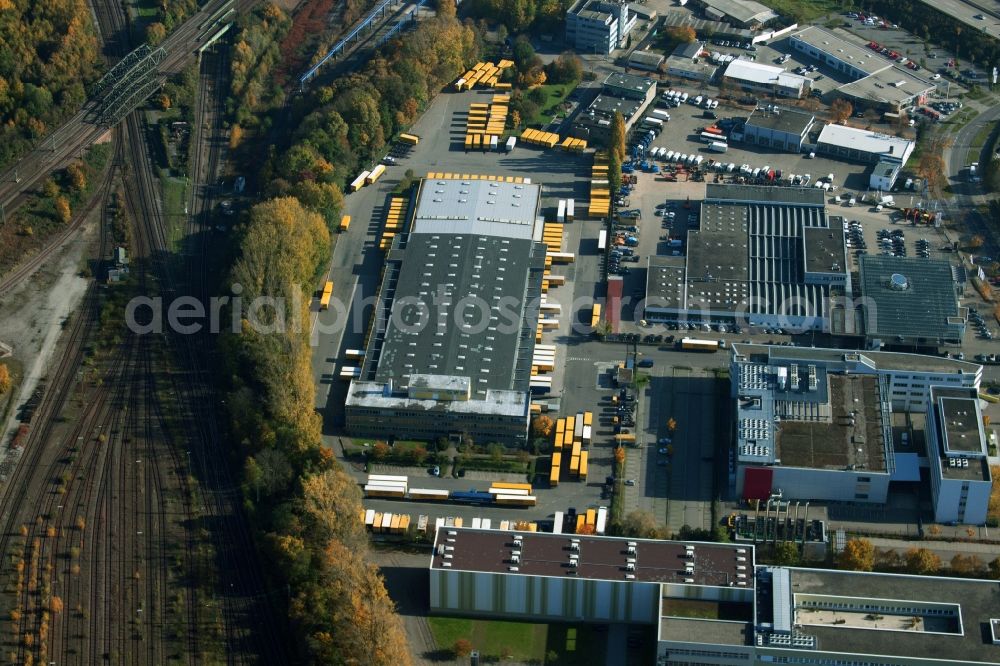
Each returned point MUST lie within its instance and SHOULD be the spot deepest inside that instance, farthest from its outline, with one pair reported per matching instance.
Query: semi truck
(694, 344)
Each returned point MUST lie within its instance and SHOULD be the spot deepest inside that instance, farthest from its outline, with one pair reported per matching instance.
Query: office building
(710, 604)
(451, 346)
(764, 79)
(762, 256)
(884, 175)
(686, 63)
(834, 425)
(598, 26)
(772, 126)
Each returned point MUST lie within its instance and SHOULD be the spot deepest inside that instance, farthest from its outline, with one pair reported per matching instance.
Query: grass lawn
(806, 11)
(174, 194)
(569, 644)
(145, 8)
(524, 641)
(407, 444)
(554, 96)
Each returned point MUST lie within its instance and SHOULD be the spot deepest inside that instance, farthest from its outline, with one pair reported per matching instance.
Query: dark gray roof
(689, 50)
(468, 260)
(665, 282)
(607, 105)
(790, 121)
(803, 196)
(919, 309)
(636, 84)
(825, 248)
(977, 602)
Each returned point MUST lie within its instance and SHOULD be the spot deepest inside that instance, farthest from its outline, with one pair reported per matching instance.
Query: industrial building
(884, 175)
(876, 81)
(761, 256)
(860, 145)
(626, 94)
(765, 79)
(598, 26)
(649, 61)
(451, 346)
(834, 425)
(772, 126)
(909, 301)
(742, 13)
(685, 63)
(772, 615)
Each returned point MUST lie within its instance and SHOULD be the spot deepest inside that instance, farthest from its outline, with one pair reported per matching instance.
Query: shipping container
(375, 174)
(578, 427)
(554, 475)
(494, 142)
(570, 210)
(397, 492)
(561, 214)
(428, 494)
(345, 223)
(584, 456)
(358, 182)
(602, 520)
(354, 354)
(410, 139)
(718, 147)
(591, 517)
(623, 437)
(602, 240)
(373, 478)
(327, 294)
(516, 500)
(511, 142)
(557, 523)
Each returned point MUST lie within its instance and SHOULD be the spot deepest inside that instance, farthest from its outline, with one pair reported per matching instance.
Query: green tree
(994, 568)
(643, 525)
(567, 68)
(786, 554)
(496, 452)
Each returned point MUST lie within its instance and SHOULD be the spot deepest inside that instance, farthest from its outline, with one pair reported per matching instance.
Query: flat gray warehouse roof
(808, 196)
(910, 297)
(843, 48)
(937, 635)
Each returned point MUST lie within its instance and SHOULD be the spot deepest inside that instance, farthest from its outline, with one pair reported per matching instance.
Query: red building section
(614, 304)
(757, 483)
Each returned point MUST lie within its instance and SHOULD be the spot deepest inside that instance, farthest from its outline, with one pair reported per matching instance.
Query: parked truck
(718, 146)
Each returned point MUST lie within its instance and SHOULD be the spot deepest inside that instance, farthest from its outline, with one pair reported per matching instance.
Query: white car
(682, 158)
(684, 97)
(935, 77)
(670, 156)
(697, 100)
(707, 103)
(715, 104)
(805, 179)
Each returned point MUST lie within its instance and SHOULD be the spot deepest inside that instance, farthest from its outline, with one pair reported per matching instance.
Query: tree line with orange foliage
(48, 55)
(302, 504)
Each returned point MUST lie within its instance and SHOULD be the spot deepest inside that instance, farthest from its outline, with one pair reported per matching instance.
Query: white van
(684, 97)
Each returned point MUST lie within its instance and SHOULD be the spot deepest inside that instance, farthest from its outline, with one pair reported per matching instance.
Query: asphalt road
(963, 204)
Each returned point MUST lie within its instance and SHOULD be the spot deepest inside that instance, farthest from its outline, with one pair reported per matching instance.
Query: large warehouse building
(910, 301)
(861, 145)
(710, 604)
(834, 425)
(761, 256)
(776, 127)
(451, 348)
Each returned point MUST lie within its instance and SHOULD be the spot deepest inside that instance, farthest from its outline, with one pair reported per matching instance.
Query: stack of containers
(540, 138)
(393, 221)
(600, 188)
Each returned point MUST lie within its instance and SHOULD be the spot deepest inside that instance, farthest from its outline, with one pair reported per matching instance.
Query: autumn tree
(643, 525)
(4, 379)
(614, 172)
(327, 500)
(156, 33)
(976, 242)
(620, 455)
(921, 561)
(461, 648)
(235, 137)
(684, 34)
(567, 68)
(541, 426)
(617, 143)
(77, 178)
(63, 211)
(858, 555)
(840, 110)
(672, 424)
(931, 166)
(994, 568)
(587, 529)
(380, 451)
(967, 565)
